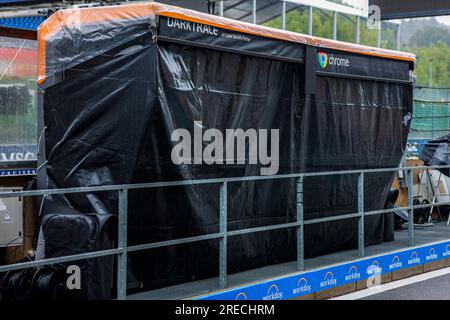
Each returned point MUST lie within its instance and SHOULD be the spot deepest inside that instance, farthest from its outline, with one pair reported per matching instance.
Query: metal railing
(122, 249)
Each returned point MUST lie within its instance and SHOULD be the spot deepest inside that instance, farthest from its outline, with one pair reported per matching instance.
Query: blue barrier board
(303, 283)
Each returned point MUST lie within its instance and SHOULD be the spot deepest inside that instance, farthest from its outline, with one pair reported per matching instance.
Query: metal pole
(310, 23)
(398, 36)
(122, 237)
(358, 31)
(409, 176)
(432, 116)
(223, 241)
(221, 8)
(300, 228)
(334, 25)
(430, 73)
(254, 11)
(379, 35)
(361, 212)
(283, 15)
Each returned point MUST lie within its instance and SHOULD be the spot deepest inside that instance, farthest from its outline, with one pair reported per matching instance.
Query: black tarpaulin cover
(436, 153)
(109, 117)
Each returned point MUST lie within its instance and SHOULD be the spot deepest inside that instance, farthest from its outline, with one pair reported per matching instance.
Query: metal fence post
(300, 227)
(409, 176)
(357, 31)
(361, 213)
(223, 241)
(310, 21)
(379, 35)
(283, 15)
(254, 12)
(221, 8)
(335, 25)
(122, 237)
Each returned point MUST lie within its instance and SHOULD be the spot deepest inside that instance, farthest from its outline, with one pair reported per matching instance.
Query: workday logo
(432, 255)
(273, 293)
(396, 263)
(447, 251)
(302, 286)
(353, 274)
(329, 280)
(414, 259)
(241, 296)
(323, 59)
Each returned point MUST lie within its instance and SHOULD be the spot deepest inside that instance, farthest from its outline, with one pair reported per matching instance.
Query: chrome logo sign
(326, 59)
(323, 59)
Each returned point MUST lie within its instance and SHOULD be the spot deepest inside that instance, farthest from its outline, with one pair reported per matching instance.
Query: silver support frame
(379, 36)
(398, 44)
(221, 8)
(335, 25)
(358, 30)
(310, 21)
(361, 214)
(122, 249)
(409, 177)
(300, 227)
(254, 12)
(430, 75)
(223, 218)
(283, 15)
(122, 245)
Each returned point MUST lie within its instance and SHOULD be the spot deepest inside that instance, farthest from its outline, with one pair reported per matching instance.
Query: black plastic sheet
(436, 153)
(109, 120)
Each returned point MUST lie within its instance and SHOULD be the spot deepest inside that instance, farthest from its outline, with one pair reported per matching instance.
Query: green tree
(430, 43)
(297, 21)
(439, 54)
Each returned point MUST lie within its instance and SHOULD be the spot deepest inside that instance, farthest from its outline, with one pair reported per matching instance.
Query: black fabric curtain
(109, 121)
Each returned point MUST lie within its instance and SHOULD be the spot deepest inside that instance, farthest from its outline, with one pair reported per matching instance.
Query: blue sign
(19, 152)
(18, 172)
(307, 282)
(414, 147)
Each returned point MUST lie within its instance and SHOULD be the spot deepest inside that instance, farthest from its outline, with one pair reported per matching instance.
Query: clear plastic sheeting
(18, 99)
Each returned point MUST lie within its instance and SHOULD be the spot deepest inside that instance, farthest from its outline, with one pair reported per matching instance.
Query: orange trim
(239, 26)
(68, 17)
(64, 18)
